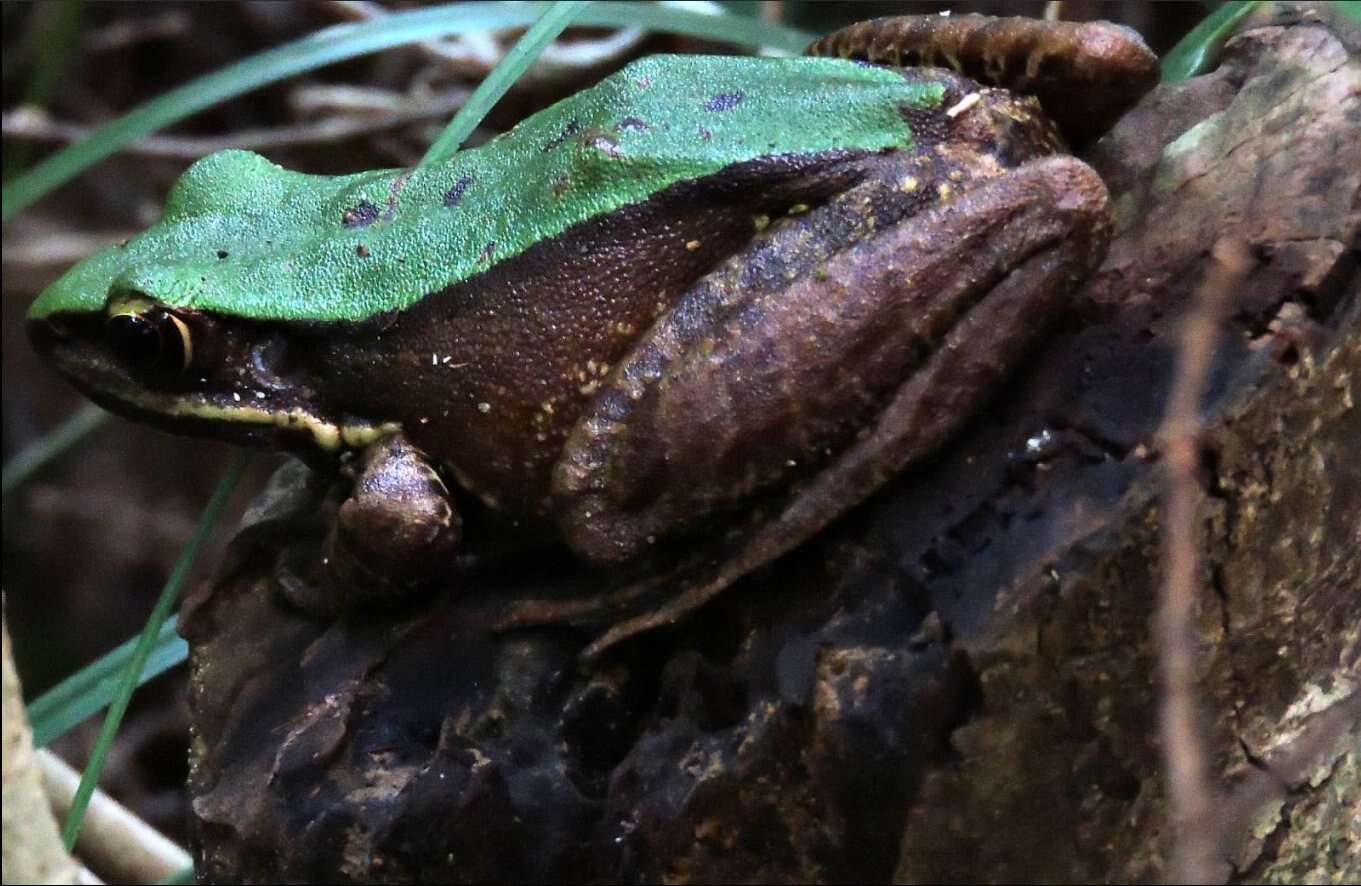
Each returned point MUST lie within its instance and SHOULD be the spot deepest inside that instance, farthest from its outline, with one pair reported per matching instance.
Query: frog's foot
(1085, 74)
(958, 293)
(395, 532)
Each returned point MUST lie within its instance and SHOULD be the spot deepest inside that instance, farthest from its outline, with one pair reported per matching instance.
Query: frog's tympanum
(703, 283)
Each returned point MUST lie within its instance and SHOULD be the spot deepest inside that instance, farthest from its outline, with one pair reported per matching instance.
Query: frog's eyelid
(186, 341)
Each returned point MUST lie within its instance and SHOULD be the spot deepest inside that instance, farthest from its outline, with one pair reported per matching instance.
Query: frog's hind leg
(1030, 237)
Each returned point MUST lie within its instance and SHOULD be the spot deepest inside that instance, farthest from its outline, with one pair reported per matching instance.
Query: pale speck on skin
(963, 105)
(484, 407)
(236, 396)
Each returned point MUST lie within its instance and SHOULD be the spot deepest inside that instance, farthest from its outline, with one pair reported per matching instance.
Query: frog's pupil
(144, 342)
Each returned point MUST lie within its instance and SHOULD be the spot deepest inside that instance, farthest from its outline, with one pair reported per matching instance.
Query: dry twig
(1189, 793)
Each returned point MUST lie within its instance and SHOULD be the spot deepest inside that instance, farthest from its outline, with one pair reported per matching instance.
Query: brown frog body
(793, 327)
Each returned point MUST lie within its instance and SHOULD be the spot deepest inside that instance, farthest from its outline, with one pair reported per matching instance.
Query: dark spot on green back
(362, 251)
(632, 123)
(455, 193)
(360, 216)
(572, 128)
(222, 253)
(725, 101)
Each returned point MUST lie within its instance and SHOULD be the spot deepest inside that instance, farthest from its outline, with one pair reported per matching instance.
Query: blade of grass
(118, 705)
(45, 449)
(502, 78)
(181, 876)
(340, 42)
(1193, 53)
(90, 689)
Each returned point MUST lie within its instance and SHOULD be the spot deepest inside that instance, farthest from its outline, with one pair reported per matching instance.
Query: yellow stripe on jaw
(327, 435)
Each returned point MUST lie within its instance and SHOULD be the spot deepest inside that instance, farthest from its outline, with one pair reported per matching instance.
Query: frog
(710, 303)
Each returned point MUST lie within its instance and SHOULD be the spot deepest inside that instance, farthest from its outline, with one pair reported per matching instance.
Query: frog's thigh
(390, 533)
(840, 379)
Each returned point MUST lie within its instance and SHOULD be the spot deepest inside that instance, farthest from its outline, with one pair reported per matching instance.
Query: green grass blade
(185, 875)
(528, 48)
(41, 451)
(90, 689)
(1194, 53)
(118, 705)
(346, 41)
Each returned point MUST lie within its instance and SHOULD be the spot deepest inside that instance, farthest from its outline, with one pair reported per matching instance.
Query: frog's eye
(151, 340)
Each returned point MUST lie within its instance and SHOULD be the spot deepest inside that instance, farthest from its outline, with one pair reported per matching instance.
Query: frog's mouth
(257, 416)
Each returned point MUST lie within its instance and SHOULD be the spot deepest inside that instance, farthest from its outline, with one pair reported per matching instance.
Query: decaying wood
(957, 682)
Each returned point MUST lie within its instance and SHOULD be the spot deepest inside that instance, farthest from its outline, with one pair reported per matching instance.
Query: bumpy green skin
(243, 237)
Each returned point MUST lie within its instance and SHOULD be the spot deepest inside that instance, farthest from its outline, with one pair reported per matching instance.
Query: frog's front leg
(394, 531)
(832, 382)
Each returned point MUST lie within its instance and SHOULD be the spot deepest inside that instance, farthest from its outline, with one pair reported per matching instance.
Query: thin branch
(28, 123)
(113, 841)
(1190, 795)
(474, 55)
